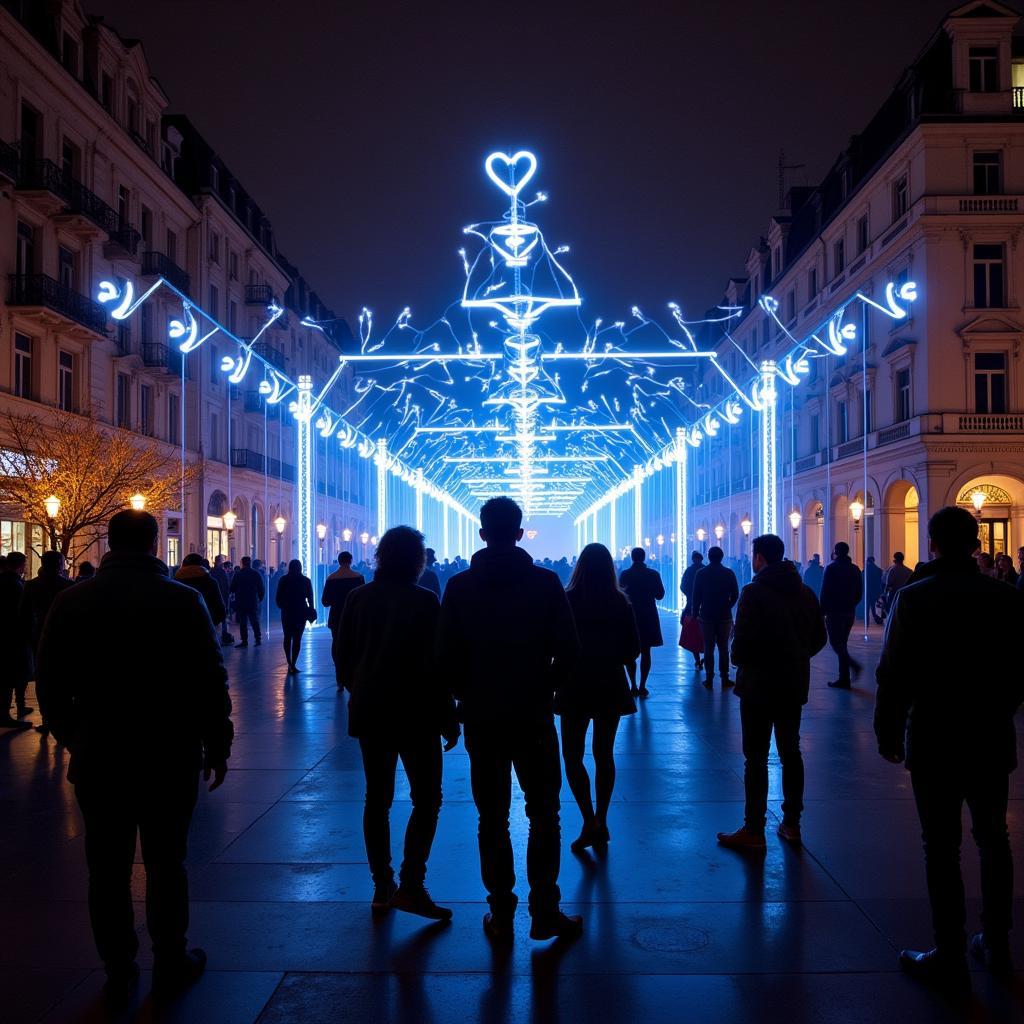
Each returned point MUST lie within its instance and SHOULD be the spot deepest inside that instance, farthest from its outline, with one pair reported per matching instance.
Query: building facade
(920, 412)
(98, 182)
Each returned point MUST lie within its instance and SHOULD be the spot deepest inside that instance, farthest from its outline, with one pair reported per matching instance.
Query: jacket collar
(130, 561)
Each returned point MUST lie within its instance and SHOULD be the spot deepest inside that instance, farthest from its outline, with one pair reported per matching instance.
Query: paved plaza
(676, 928)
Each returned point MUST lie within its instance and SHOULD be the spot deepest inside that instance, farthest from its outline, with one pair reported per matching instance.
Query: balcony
(254, 402)
(1018, 97)
(156, 264)
(983, 423)
(161, 356)
(945, 206)
(270, 354)
(123, 242)
(244, 458)
(10, 161)
(259, 295)
(47, 297)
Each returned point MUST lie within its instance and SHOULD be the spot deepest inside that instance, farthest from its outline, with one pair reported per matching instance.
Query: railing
(156, 264)
(42, 290)
(895, 433)
(988, 204)
(10, 161)
(1018, 96)
(806, 463)
(258, 295)
(165, 357)
(995, 423)
(244, 458)
(850, 448)
(271, 354)
(126, 238)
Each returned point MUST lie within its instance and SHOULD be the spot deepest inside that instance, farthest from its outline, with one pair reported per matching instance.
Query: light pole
(279, 524)
(321, 533)
(661, 540)
(137, 502)
(978, 501)
(701, 534)
(346, 535)
(794, 521)
(364, 539)
(719, 532)
(52, 504)
(856, 510)
(746, 526)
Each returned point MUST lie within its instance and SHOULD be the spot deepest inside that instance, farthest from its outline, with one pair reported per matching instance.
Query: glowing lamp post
(52, 504)
(856, 510)
(719, 532)
(137, 502)
(794, 521)
(346, 535)
(978, 501)
(660, 540)
(701, 534)
(321, 533)
(746, 526)
(229, 520)
(279, 524)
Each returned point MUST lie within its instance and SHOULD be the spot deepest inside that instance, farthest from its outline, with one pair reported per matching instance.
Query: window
(124, 336)
(983, 67)
(233, 266)
(866, 412)
(25, 249)
(214, 434)
(232, 316)
(214, 363)
(69, 54)
(791, 305)
(146, 410)
(863, 234)
(173, 419)
(815, 445)
(214, 301)
(776, 261)
(989, 276)
(146, 324)
(151, 136)
(146, 226)
(22, 365)
(214, 247)
(812, 282)
(132, 110)
(31, 132)
(124, 204)
(903, 399)
(990, 382)
(107, 92)
(214, 178)
(842, 422)
(900, 197)
(66, 381)
(122, 401)
(838, 257)
(66, 268)
(172, 246)
(70, 159)
(987, 173)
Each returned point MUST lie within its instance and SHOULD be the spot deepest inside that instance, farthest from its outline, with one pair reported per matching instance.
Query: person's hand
(218, 769)
(451, 740)
(893, 756)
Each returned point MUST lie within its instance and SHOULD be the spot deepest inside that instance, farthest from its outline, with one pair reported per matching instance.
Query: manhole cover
(671, 939)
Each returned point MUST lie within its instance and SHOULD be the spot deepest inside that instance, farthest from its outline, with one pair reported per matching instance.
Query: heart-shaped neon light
(509, 165)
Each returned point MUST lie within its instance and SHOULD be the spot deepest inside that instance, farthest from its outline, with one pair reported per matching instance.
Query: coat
(644, 589)
(504, 624)
(715, 591)
(336, 590)
(199, 579)
(295, 599)
(778, 630)
(596, 686)
(133, 639)
(429, 581)
(686, 585)
(842, 587)
(940, 700)
(386, 662)
(37, 596)
(16, 661)
(247, 589)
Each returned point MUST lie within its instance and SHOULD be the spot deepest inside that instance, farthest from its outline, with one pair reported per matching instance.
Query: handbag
(311, 615)
(691, 636)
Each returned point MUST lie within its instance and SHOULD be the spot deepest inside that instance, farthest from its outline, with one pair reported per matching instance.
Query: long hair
(294, 567)
(400, 555)
(594, 579)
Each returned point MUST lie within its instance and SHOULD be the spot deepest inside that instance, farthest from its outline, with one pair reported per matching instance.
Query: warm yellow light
(794, 519)
(746, 526)
(719, 531)
(52, 504)
(321, 530)
(346, 535)
(977, 500)
(138, 502)
(364, 536)
(701, 533)
(229, 520)
(530, 534)
(856, 510)
(279, 524)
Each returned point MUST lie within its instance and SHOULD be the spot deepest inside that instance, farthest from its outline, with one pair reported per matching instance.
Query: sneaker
(498, 927)
(634, 691)
(709, 684)
(556, 926)
(382, 895)
(937, 970)
(791, 833)
(121, 979)
(181, 973)
(743, 839)
(839, 684)
(243, 643)
(589, 836)
(416, 900)
(7, 722)
(259, 640)
(643, 692)
(995, 956)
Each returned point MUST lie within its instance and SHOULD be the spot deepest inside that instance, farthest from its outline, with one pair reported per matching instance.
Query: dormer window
(983, 69)
(69, 53)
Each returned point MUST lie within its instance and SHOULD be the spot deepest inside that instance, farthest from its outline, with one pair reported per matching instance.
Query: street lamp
(52, 504)
(321, 531)
(856, 510)
(364, 538)
(279, 524)
(701, 534)
(229, 520)
(978, 500)
(794, 520)
(346, 535)
(530, 534)
(138, 502)
(746, 525)
(719, 531)
(373, 542)
(660, 540)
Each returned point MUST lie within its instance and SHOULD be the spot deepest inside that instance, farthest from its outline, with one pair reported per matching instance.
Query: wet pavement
(676, 927)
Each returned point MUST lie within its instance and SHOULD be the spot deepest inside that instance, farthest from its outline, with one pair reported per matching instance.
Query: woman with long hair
(597, 687)
(295, 599)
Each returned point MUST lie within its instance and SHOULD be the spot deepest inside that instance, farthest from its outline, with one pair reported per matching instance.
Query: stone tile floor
(676, 928)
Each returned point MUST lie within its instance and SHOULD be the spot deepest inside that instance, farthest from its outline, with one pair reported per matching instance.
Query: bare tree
(94, 470)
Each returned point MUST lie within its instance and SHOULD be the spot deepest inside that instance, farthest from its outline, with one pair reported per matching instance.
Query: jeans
(758, 720)
(532, 749)
(421, 759)
(244, 618)
(838, 628)
(159, 812)
(716, 634)
(940, 798)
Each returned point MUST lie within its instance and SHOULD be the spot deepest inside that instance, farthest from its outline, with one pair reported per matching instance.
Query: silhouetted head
(133, 532)
(766, 550)
(294, 567)
(400, 555)
(953, 532)
(842, 549)
(898, 557)
(638, 555)
(193, 558)
(86, 570)
(594, 576)
(715, 555)
(431, 557)
(51, 563)
(246, 561)
(501, 522)
(697, 558)
(345, 558)
(15, 562)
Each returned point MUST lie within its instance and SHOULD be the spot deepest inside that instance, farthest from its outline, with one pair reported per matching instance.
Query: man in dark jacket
(715, 591)
(36, 599)
(778, 630)
(195, 575)
(954, 727)
(814, 573)
(219, 576)
(15, 657)
(644, 588)
(842, 589)
(337, 587)
(429, 580)
(504, 623)
(686, 586)
(135, 640)
(247, 590)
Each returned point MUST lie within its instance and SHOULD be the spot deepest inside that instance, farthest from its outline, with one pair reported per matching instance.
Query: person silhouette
(16, 663)
(136, 773)
(399, 708)
(715, 591)
(644, 588)
(248, 590)
(686, 586)
(596, 687)
(506, 631)
(842, 590)
(336, 589)
(294, 598)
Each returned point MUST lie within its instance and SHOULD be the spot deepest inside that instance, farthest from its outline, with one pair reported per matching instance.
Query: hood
(501, 566)
(191, 572)
(129, 561)
(782, 578)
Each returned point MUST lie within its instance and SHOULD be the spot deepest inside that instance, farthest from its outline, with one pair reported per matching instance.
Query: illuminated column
(382, 486)
(593, 533)
(419, 500)
(304, 470)
(638, 530)
(611, 528)
(445, 534)
(681, 500)
(769, 455)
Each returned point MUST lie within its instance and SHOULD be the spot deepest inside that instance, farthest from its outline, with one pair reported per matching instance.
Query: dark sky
(360, 127)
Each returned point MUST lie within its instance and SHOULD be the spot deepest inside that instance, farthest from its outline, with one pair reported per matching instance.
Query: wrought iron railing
(43, 290)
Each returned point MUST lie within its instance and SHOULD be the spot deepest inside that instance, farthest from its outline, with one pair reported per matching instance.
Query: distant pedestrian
(400, 707)
(842, 589)
(247, 590)
(220, 577)
(873, 586)
(193, 573)
(814, 573)
(778, 630)
(895, 579)
(15, 645)
(86, 571)
(429, 579)
(295, 600)
(954, 727)
(1005, 571)
(596, 688)
(644, 588)
(715, 591)
(337, 587)
(135, 641)
(686, 586)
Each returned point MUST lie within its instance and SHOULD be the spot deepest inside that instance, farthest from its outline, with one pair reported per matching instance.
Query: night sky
(360, 128)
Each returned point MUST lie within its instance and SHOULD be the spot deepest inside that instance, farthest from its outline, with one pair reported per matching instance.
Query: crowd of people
(490, 652)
